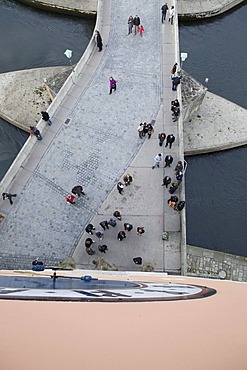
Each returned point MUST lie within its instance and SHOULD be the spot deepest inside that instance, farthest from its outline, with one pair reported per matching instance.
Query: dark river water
(215, 183)
(30, 39)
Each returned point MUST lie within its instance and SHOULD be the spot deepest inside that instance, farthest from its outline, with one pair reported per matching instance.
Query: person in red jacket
(70, 199)
(141, 29)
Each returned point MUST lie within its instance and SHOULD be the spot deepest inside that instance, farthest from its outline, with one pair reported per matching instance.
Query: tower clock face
(88, 289)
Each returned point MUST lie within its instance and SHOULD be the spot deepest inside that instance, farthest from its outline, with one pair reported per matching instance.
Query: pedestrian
(140, 230)
(104, 225)
(90, 251)
(113, 85)
(180, 205)
(112, 222)
(127, 179)
(171, 14)
(130, 24)
(70, 199)
(168, 160)
(140, 130)
(46, 117)
(9, 196)
(34, 131)
(166, 181)
(175, 82)
(150, 130)
(141, 30)
(128, 227)
(174, 104)
(179, 175)
(179, 167)
(100, 235)
(170, 140)
(118, 215)
(102, 248)
(89, 229)
(137, 260)
(173, 188)
(145, 129)
(136, 23)
(175, 114)
(78, 190)
(98, 40)
(172, 201)
(164, 9)
(157, 160)
(120, 187)
(89, 242)
(161, 137)
(174, 69)
(121, 235)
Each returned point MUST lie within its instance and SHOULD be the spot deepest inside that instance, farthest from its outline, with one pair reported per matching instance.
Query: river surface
(31, 38)
(216, 183)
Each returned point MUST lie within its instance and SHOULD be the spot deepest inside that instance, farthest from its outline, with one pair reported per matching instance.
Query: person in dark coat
(170, 140)
(121, 235)
(161, 137)
(9, 197)
(99, 234)
(179, 166)
(118, 215)
(127, 179)
(168, 160)
(140, 230)
(130, 24)
(112, 222)
(104, 225)
(78, 190)
(128, 227)
(90, 251)
(164, 9)
(34, 131)
(120, 187)
(89, 229)
(175, 82)
(179, 175)
(102, 248)
(89, 242)
(99, 42)
(180, 205)
(166, 181)
(46, 117)
(136, 23)
(173, 188)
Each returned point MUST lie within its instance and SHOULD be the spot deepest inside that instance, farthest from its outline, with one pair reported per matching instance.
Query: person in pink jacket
(141, 29)
(113, 84)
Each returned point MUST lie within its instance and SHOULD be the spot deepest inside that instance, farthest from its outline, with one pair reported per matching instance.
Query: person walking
(180, 205)
(112, 222)
(100, 235)
(168, 160)
(102, 248)
(150, 130)
(174, 69)
(140, 230)
(157, 160)
(128, 227)
(46, 118)
(140, 130)
(120, 187)
(90, 251)
(170, 140)
(179, 175)
(127, 179)
(118, 215)
(166, 181)
(141, 30)
(171, 14)
(113, 85)
(130, 24)
(34, 131)
(179, 167)
(175, 82)
(78, 190)
(121, 235)
(164, 9)
(136, 23)
(89, 229)
(161, 137)
(9, 196)
(104, 225)
(98, 40)
(89, 242)
(70, 199)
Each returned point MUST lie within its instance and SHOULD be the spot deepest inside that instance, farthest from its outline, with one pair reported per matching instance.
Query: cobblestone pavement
(207, 263)
(94, 148)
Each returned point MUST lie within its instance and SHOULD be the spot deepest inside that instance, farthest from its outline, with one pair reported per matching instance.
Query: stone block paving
(95, 147)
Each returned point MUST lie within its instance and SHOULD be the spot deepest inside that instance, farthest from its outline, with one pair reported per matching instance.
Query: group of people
(171, 13)
(136, 23)
(179, 173)
(145, 129)
(90, 229)
(127, 179)
(34, 131)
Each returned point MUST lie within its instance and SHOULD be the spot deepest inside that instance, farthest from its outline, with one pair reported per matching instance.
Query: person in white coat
(171, 14)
